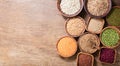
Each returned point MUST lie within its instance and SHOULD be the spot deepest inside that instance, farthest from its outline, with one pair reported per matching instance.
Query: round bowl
(70, 15)
(85, 7)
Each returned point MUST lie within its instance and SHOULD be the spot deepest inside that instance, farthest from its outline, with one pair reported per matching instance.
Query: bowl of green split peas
(113, 18)
(110, 37)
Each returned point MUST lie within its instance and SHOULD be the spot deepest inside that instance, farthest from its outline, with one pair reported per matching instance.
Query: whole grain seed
(95, 25)
(70, 6)
(75, 26)
(97, 7)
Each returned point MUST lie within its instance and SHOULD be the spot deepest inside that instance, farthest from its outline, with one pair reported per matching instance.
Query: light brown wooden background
(29, 30)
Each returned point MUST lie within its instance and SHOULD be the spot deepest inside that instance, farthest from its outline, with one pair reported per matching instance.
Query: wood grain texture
(29, 30)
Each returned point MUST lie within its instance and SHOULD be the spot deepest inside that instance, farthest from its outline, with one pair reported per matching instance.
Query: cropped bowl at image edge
(113, 18)
(85, 59)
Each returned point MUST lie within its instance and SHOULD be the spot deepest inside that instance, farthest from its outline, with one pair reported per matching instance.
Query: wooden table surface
(29, 30)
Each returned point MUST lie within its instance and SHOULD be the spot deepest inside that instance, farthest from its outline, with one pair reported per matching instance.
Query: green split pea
(110, 37)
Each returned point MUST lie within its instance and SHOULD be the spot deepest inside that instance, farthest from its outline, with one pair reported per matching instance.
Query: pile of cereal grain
(97, 7)
(70, 6)
(95, 25)
(75, 26)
